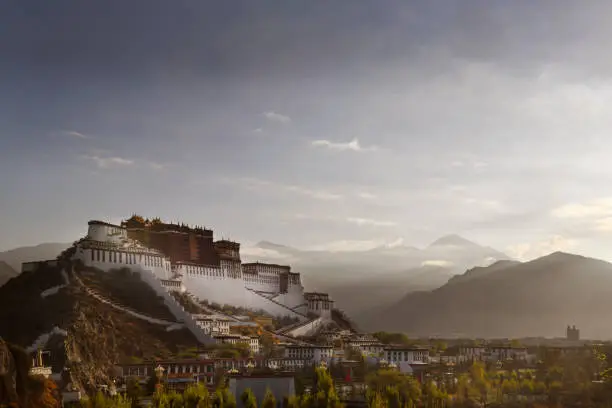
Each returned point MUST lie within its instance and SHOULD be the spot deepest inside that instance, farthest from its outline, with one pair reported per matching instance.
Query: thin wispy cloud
(530, 250)
(368, 222)
(594, 215)
(258, 130)
(277, 117)
(158, 166)
(259, 185)
(601, 207)
(353, 145)
(108, 162)
(75, 134)
(366, 196)
(478, 164)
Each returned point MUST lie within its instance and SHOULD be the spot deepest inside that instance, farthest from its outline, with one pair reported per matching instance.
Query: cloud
(108, 162)
(370, 222)
(366, 196)
(277, 117)
(601, 207)
(258, 185)
(353, 145)
(258, 130)
(475, 164)
(256, 253)
(348, 246)
(596, 214)
(158, 166)
(528, 251)
(317, 194)
(437, 262)
(75, 134)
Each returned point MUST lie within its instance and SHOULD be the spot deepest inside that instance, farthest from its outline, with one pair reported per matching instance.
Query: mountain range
(6, 272)
(10, 261)
(362, 280)
(508, 299)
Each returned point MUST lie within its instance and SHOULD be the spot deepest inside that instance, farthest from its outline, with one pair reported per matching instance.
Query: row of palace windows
(263, 280)
(194, 270)
(314, 305)
(124, 257)
(112, 256)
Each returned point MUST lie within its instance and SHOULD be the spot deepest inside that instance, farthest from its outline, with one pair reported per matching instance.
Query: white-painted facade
(316, 354)
(411, 355)
(257, 286)
(213, 325)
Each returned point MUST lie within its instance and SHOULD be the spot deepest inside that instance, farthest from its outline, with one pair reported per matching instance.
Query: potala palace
(189, 260)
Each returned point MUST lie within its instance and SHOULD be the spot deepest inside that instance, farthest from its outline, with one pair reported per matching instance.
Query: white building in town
(314, 353)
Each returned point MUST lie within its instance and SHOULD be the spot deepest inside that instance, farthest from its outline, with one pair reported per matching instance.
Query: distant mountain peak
(268, 244)
(452, 240)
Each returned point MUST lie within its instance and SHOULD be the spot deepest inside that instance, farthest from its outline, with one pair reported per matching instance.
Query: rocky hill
(6, 272)
(15, 257)
(509, 299)
(59, 311)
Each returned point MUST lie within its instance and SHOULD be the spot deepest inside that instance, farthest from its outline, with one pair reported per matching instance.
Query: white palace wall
(107, 260)
(106, 233)
(216, 289)
(107, 247)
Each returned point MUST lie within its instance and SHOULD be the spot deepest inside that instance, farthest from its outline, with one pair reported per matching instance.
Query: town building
(314, 353)
(234, 339)
(572, 333)
(176, 373)
(213, 325)
(409, 354)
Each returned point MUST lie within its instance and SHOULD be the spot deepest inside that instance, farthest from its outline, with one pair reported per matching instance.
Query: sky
(338, 125)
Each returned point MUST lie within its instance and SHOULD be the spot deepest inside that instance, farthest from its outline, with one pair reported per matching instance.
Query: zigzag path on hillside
(273, 333)
(125, 309)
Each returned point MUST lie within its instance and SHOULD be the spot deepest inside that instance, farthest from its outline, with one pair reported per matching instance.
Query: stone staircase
(303, 328)
(290, 311)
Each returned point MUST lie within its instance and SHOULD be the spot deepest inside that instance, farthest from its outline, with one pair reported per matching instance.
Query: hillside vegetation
(98, 335)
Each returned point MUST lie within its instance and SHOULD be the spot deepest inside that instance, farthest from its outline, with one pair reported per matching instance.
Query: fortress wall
(256, 301)
(292, 299)
(106, 233)
(175, 307)
(216, 289)
(261, 284)
(106, 260)
(306, 328)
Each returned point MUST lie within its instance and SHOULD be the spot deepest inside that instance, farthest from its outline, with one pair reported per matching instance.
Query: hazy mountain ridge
(6, 272)
(360, 280)
(42, 252)
(536, 298)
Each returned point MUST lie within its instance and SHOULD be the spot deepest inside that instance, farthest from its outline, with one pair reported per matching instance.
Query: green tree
(102, 401)
(133, 390)
(248, 399)
(196, 396)
(269, 400)
(292, 402)
(324, 391)
(224, 398)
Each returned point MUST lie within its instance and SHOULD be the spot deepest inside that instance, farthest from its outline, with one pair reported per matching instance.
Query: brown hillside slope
(537, 298)
(6, 272)
(98, 335)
